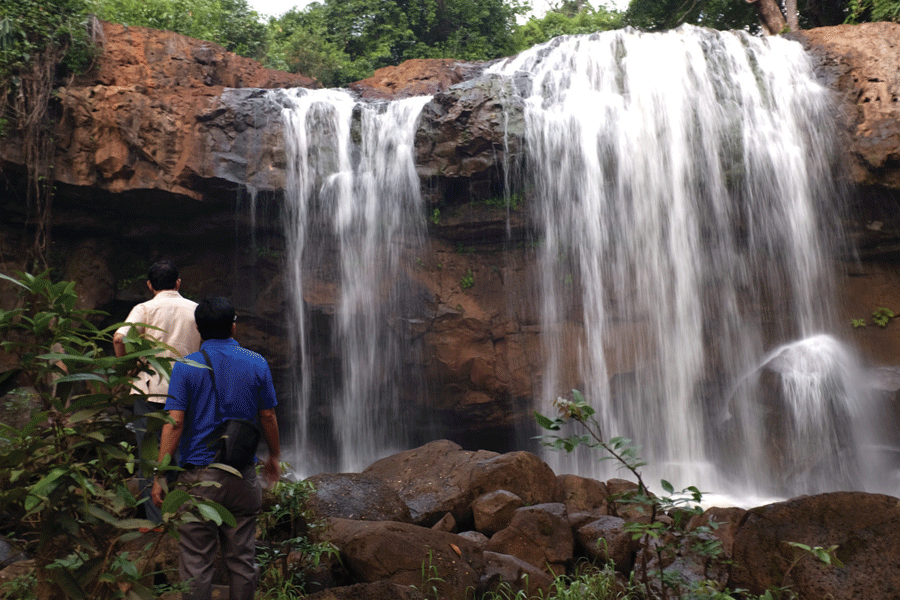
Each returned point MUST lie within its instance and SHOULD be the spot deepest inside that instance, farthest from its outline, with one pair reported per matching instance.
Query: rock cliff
(172, 146)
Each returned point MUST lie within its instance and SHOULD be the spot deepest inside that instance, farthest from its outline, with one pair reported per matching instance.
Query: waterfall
(681, 190)
(361, 200)
(685, 207)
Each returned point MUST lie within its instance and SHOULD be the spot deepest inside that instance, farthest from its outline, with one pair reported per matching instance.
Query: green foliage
(30, 28)
(467, 280)
(431, 577)
(230, 23)
(565, 22)
(288, 526)
(41, 42)
(882, 316)
(860, 11)
(511, 201)
(340, 41)
(299, 42)
(657, 538)
(436, 216)
(62, 474)
(658, 15)
(826, 556)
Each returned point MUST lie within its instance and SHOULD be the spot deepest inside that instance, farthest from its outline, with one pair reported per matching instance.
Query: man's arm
(119, 345)
(269, 424)
(168, 442)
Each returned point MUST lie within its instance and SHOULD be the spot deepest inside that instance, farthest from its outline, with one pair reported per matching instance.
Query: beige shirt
(174, 315)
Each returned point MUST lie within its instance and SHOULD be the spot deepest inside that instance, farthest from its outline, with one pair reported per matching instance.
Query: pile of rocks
(457, 523)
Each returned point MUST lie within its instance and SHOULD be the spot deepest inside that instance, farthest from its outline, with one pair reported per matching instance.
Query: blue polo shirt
(244, 385)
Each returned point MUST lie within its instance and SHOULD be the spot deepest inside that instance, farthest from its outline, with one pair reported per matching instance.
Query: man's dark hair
(214, 317)
(163, 275)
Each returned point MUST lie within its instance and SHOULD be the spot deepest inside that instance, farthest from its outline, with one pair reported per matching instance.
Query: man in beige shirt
(174, 316)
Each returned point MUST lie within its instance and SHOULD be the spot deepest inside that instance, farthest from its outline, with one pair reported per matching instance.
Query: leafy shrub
(62, 475)
(288, 529)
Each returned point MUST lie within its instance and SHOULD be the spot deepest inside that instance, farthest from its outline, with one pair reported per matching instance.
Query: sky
(277, 8)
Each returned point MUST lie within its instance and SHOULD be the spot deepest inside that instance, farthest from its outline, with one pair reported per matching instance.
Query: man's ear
(177, 284)
(150, 286)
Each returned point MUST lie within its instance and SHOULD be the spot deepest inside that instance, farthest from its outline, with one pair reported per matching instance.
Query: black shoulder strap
(212, 374)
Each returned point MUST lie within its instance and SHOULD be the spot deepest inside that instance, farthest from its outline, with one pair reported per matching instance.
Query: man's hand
(157, 493)
(272, 466)
(272, 470)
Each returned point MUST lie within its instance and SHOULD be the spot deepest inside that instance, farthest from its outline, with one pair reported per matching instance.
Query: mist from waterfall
(686, 216)
(351, 188)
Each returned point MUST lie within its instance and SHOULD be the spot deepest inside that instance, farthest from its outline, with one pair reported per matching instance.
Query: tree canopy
(569, 18)
(658, 15)
(339, 41)
(344, 40)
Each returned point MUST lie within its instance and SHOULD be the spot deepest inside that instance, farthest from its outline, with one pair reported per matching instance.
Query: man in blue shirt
(243, 390)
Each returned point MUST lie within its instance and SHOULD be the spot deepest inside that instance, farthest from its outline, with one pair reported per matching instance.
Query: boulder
(864, 527)
(356, 496)
(522, 473)
(476, 537)
(493, 511)
(432, 479)
(623, 499)
(438, 563)
(515, 576)
(605, 540)
(539, 535)
(581, 494)
(441, 477)
(447, 523)
(722, 523)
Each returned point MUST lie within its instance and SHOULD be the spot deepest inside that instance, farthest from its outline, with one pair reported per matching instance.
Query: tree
(873, 10)
(570, 17)
(347, 40)
(298, 42)
(658, 15)
(770, 17)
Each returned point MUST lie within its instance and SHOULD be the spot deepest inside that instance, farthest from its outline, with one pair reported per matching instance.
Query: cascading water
(363, 200)
(683, 185)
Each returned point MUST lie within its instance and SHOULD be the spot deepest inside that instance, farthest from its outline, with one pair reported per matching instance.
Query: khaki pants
(199, 541)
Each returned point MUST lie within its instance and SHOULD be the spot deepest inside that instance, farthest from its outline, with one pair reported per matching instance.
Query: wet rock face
(862, 64)
(469, 137)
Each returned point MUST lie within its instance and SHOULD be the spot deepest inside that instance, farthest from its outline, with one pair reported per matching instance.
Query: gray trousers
(199, 541)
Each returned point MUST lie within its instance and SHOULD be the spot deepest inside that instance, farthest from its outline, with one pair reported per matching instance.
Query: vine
(41, 43)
